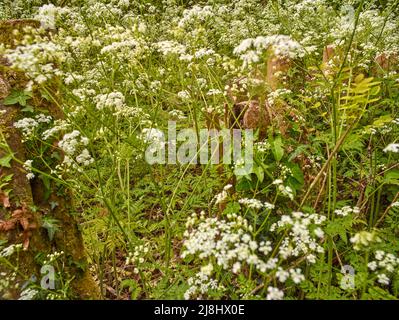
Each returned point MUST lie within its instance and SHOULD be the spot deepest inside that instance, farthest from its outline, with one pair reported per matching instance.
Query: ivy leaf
(51, 225)
(5, 161)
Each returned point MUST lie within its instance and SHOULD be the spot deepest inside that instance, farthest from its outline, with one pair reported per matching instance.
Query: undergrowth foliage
(322, 197)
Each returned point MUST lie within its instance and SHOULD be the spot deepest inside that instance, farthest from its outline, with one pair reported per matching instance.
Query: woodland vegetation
(89, 87)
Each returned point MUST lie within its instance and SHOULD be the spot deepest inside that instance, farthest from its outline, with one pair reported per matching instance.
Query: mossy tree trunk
(22, 209)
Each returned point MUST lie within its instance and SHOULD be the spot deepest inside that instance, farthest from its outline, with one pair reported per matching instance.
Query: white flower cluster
(214, 92)
(71, 144)
(184, 95)
(136, 257)
(8, 251)
(58, 126)
(392, 147)
(295, 274)
(169, 47)
(28, 125)
(278, 93)
(47, 15)
(344, 211)
(200, 284)
(274, 294)
(229, 242)
(364, 239)
(222, 196)
(110, 100)
(118, 46)
(303, 230)
(286, 190)
(284, 172)
(28, 168)
(256, 204)
(226, 241)
(149, 135)
(51, 257)
(385, 264)
(177, 114)
(28, 294)
(250, 50)
(37, 60)
(262, 146)
(115, 102)
(196, 13)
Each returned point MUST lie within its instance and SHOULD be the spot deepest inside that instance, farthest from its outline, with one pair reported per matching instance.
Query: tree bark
(19, 223)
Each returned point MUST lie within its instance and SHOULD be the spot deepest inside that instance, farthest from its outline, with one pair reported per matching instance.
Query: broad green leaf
(5, 161)
(277, 148)
(17, 97)
(259, 173)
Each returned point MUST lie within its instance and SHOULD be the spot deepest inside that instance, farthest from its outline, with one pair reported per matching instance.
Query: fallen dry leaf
(4, 199)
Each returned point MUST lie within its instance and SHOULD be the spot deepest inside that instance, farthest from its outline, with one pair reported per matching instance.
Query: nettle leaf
(5, 161)
(17, 97)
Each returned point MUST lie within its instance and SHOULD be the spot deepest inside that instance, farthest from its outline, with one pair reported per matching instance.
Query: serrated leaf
(392, 177)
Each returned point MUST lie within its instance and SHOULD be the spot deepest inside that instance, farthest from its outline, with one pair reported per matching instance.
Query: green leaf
(17, 97)
(232, 207)
(297, 173)
(5, 161)
(28, 108)
(353, 142)
(392, 177)
(47, 186)
(277, 148)
(51, 225)
(134, 288)
(259, 173)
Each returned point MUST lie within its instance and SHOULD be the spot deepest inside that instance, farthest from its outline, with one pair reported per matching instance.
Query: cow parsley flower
(344, 211)
(250, 50)
(274, 294)
(28, 168)
(392, 147)
(364, 239)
